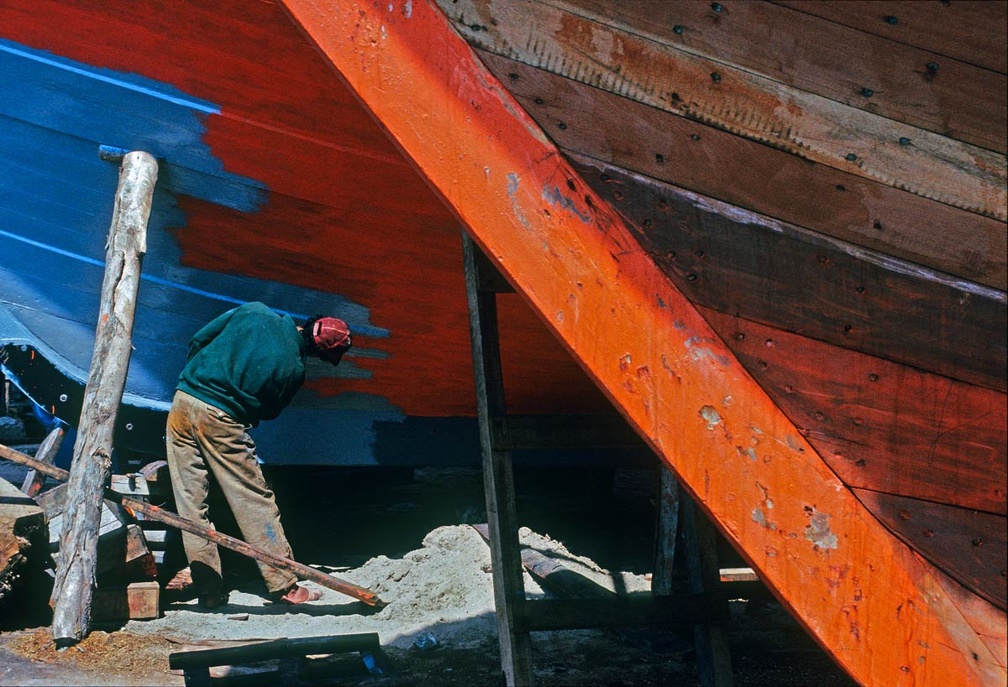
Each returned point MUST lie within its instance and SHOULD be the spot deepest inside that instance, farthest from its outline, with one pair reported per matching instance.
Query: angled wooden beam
(875, 606)
(572, 42)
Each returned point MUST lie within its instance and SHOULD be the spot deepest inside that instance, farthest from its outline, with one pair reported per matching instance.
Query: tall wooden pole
(92, 457)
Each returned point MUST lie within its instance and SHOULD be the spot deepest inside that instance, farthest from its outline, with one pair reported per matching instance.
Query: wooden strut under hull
(886, 615)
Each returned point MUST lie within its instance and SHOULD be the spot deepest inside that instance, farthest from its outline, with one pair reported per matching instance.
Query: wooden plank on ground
(852, 583)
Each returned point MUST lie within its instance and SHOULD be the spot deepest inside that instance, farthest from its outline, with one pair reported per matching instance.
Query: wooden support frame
(701, 609)
(498, 477)
(884, 614)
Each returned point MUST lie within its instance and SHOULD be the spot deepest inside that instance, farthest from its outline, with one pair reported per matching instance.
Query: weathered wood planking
(798, 281)
(747, 104)
(768, 181)
(973, 32)
(866, 71)
(881, 425)
(852, 582)
(969, 545)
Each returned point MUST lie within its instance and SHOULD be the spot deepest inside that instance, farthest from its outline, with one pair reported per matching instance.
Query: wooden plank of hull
(968, 31)
(881, 425)
(798, 281)
(848, 579)
(807, 125)
(773, 182)
(970, 545)
(957, 99)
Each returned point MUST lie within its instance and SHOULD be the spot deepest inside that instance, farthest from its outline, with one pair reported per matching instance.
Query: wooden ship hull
(771, 235)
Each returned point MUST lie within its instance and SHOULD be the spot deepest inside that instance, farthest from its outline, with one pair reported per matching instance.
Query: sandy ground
(409, 540)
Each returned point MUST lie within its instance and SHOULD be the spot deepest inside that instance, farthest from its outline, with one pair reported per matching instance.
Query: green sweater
(249, 362)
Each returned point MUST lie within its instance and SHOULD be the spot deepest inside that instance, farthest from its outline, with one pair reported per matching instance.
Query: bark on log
(92, 459)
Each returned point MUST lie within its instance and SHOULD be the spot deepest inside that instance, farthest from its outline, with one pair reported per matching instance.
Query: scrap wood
(277, 648)
(22, 524)
(553, 575)
(154, 513)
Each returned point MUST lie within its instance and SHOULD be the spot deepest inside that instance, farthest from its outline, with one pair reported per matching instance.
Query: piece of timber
(120, 546)
(152, 512)
(133, 601)
(514, 643)
(578, 265)
(22, 535)
(880, 425)
(607, 127)
(969, 545)
(92, 455)
(583, 603)
(747, 104)
(277, 648)
(880, 75)
(796, 280)
(967, 31)
(553, 575)
(46, 453)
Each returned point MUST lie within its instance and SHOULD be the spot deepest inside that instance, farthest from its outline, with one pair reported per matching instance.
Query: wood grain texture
(973, 32)
(577, 264)
(849, 65)
(969, 545)
(795, 280)
(747, 104)
(880, 425)
(622, 132)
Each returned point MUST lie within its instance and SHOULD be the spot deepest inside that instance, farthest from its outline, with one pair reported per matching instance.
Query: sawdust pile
(141, 658)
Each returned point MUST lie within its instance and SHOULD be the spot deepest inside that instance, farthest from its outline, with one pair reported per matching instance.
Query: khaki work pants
(201, 437)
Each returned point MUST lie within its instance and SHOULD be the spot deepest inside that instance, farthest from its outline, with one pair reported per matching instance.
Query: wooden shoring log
(92, 459)
(152, 512)
(46, 454)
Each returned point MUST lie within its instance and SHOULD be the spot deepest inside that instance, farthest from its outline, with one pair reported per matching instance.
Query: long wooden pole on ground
(92, 457)
(152, 512)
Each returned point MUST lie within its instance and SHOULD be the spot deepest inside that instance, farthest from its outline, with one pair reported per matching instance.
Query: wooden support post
(92, 459)
(666, 529)
(498, 478)
(712, 654)
(46, 453)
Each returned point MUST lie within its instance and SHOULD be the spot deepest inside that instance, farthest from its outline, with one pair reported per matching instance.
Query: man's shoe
(299, 595)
